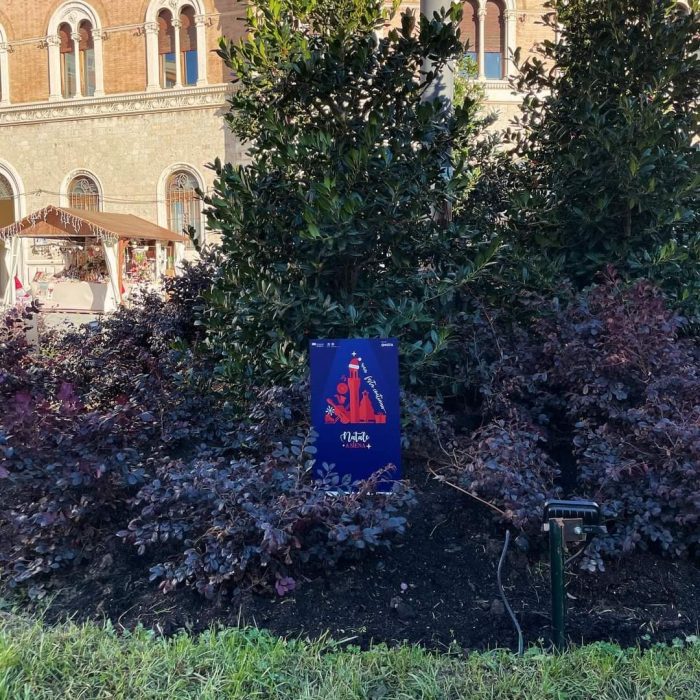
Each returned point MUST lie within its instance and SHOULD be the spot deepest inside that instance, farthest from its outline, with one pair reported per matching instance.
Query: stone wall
(129, 150)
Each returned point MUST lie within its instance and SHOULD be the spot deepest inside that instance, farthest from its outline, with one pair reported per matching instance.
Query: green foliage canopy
(335, 227)
(610, 168)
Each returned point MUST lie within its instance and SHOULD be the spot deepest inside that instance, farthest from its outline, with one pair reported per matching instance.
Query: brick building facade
(493, 30)
(117, 104)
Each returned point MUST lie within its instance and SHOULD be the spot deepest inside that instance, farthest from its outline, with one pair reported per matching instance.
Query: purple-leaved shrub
(608, 375)
(130, 420)
(219, 525)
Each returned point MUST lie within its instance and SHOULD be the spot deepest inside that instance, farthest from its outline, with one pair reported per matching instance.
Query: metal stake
(556, 557)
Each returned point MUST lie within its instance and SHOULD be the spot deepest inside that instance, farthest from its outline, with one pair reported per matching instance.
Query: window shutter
(64, 35)
(85, 32)
(494, 28)
(166, 33)
(188, 31)
(469, 31)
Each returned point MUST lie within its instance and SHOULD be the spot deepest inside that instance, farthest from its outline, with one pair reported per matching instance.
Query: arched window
(184, 208)
(188, 46)
(167, 50)
(469, 28)
(175, 37)
(12, 204)
(11, 210)
(177, 48)
(7, 202)
(87, 58)
(68, 75)
(83, 193)
(75, 52)
(494, 40)
(489, 27)
(4, 76)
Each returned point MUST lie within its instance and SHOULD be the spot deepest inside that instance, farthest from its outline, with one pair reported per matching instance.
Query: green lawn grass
(90, 662)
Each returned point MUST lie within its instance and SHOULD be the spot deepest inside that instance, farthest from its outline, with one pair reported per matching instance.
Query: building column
(97, 38)
(54, 45)
(511, 42)
(201, 25)
(443, 85)
(159, 261)
(178, 58)
(4, 75)
(78, 73)
(481, 57)
(152, 57)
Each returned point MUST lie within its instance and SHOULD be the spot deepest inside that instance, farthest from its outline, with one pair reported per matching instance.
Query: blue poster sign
(355, 405)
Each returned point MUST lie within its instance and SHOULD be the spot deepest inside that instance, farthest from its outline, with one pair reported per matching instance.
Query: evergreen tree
(333, 228)
(610, 169)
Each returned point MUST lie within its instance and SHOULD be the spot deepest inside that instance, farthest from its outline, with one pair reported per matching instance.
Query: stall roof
(62, 222)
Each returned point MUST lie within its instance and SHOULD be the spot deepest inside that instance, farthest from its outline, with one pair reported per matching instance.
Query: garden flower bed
(131, 490)
(434, 587)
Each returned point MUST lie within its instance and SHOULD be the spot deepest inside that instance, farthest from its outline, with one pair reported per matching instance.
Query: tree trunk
(627, 223)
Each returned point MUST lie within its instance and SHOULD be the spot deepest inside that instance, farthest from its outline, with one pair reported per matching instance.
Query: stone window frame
(77, 174)
(509, 41)
(163, 195)
(14, 179)
(4, 69)
(73, 13)
(151, 30)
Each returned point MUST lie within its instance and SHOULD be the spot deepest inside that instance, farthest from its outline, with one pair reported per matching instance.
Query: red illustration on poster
(352, 403)
(355, 407)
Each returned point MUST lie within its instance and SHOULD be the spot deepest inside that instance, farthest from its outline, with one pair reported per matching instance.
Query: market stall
(75, 260)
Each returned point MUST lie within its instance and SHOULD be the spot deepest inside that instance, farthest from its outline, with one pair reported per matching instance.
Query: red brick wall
(494, 29)
(124, 49)
(469, 25)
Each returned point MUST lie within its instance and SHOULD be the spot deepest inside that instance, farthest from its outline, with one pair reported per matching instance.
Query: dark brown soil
(435, 588)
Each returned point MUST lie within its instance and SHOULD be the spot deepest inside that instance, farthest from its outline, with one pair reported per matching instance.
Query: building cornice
(116, 105)
(500, 91)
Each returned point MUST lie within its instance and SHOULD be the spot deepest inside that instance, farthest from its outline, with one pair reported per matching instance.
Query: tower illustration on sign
(352, 404)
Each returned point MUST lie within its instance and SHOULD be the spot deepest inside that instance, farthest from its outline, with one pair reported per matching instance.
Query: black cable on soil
(521, 644)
